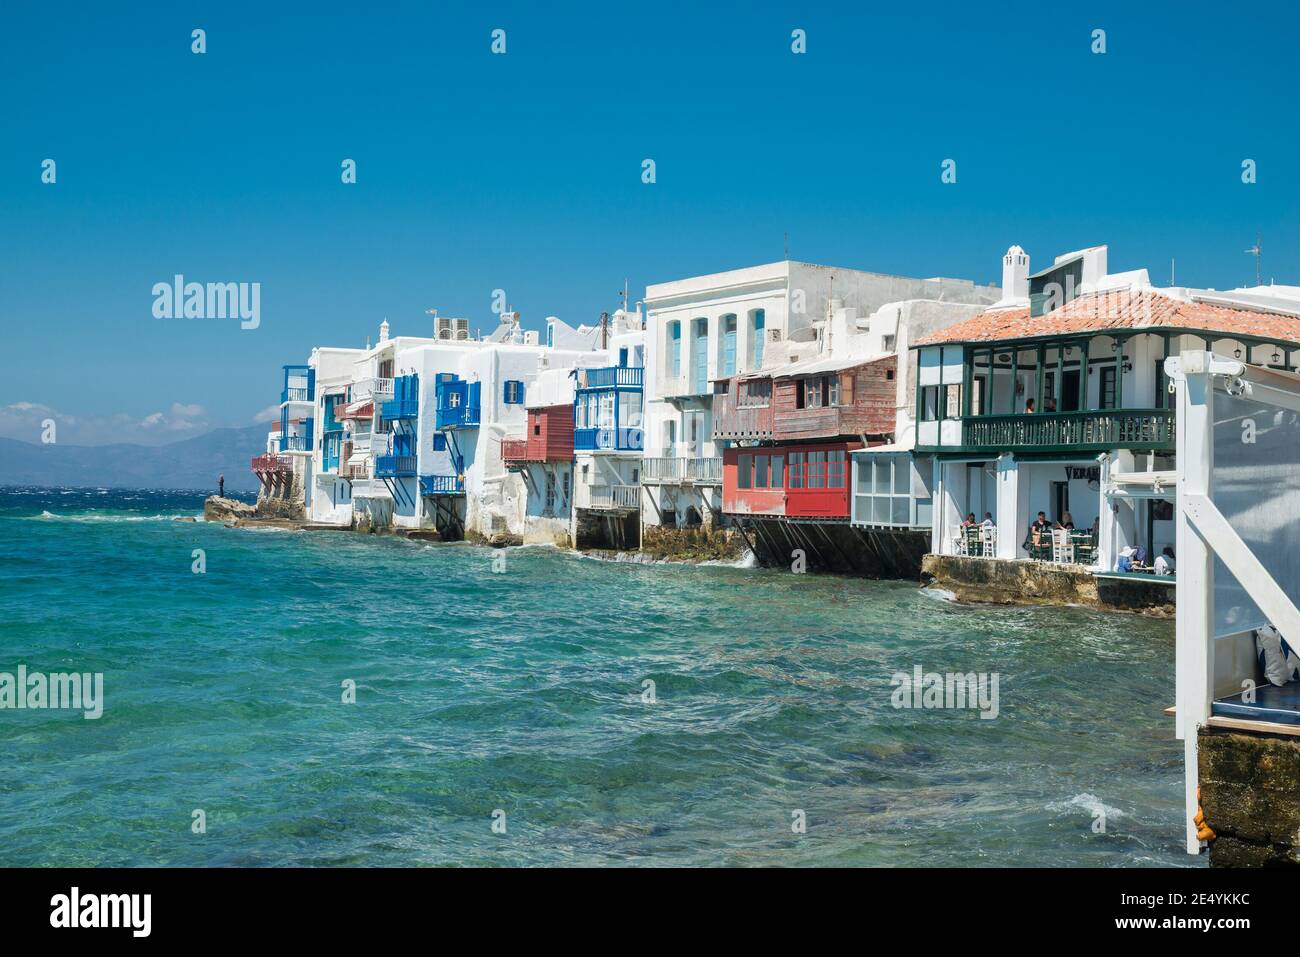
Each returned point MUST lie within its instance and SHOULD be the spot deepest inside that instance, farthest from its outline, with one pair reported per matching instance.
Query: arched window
(757, 333)
(728, 363)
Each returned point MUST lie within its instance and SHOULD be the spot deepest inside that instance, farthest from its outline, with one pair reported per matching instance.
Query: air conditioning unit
(461, 327)
(442, 327)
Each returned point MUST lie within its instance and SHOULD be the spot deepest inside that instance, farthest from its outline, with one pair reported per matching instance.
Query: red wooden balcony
(270, 465)
(514, 453)
(549, 438)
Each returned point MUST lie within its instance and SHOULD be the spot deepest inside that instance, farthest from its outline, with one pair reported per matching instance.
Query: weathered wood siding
(733, 421)
(867, 396)
(550, 434)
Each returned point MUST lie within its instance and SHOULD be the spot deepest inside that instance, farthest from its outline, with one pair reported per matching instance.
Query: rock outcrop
(218, 509)
(1250, 793)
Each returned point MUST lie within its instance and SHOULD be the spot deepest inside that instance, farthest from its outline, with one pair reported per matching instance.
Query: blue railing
(611, 377)
(441, 485)
(395, 409)
(299, 384)
(394, 466)
(295, 443)
(458, 417)
(613, 440)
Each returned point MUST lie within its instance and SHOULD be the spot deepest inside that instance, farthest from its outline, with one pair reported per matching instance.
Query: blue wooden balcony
(623, 378)
(405, 403)
(296, 443)
(394, 466)
(441, 485)
(458, 403)
(607, 440)
(299, 384)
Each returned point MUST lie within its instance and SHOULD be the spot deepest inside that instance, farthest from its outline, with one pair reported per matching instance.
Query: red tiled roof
(1103, 312)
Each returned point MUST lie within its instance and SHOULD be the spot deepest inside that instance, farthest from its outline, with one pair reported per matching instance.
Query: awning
(359, 410)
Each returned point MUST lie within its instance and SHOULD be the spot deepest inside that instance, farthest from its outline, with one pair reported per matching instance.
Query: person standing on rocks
(221, 486)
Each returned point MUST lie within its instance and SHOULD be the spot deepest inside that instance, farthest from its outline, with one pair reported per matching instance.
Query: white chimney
(383, 331)
(1015, 275)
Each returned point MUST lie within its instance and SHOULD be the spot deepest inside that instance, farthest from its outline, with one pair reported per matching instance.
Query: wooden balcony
(1096, 431)
(271, 464)
(611, 377)
(741, 413)
(614, 498)
(514, 453)
(395, 466)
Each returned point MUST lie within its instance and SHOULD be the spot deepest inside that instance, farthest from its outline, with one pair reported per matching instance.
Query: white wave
(90, 517)
(1088, 802)
(938, 594)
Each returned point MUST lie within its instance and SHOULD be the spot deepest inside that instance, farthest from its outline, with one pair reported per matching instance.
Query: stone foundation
(218, 509)
(705, 543)
(1024, 582)
(285, 503)
(1250, 793)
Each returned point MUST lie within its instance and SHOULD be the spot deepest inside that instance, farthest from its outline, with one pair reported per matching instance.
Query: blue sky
(523, 171)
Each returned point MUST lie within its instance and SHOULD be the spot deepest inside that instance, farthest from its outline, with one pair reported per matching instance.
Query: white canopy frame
(1203, 533)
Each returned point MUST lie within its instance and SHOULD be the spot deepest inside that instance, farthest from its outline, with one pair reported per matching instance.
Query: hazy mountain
(190, 463)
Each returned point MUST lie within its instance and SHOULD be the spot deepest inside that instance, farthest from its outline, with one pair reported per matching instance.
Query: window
(952, 402)
(674, 350)
(890, 489)
(758, 330)
(755, 392)
(795, 479)
(1162, 386)
(833, 389)
(812, 393)
(514, 392)
(760, 471)
(550, 493)
(439, 442)
(978, 384)
(744, 471)
(550, 335)
(566, 486)
(728, 345)
(1106, 389)
(537, 427)
(929, 403)
(837, 462)
(816, 469)
(778, 471)
(622, 355)
(887, 343)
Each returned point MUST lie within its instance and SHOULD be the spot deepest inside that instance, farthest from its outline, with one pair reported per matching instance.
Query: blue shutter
(729, 346)
(760, 333)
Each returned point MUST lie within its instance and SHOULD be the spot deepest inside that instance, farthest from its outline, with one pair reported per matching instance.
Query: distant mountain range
(188, 464)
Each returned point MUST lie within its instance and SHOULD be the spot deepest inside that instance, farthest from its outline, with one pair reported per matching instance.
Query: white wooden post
(1195, 580)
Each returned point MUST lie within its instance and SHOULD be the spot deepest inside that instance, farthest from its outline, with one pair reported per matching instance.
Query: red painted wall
(802, 502)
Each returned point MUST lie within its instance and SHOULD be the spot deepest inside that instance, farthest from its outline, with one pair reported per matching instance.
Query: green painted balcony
(1095, 431)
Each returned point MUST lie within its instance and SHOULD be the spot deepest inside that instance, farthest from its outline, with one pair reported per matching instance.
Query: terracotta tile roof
(1104, 312)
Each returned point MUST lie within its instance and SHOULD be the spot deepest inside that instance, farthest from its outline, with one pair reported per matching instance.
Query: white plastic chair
(1062, 547)
(989, 540)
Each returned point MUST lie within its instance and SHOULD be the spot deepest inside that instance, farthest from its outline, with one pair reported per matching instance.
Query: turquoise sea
(522, 692)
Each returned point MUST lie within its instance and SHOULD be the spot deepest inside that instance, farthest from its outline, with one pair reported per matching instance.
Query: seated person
(1029, 406)
(1039, 528)
(1165, 563)
(988, 520)
(1066, 522)
(1124, 563)
(970, 520)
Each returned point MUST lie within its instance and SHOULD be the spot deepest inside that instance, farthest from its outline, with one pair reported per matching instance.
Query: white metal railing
(707, 469)
(615, 496)
(372, 388)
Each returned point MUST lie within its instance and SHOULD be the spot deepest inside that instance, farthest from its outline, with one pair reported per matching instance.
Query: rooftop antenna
(604, 330)
(624, 294)
(1255, 251)
(1171, 271)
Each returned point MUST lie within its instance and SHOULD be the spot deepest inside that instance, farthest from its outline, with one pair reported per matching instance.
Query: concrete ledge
(1025, 582)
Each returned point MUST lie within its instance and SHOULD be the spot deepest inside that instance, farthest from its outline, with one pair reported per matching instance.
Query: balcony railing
(674, 469)
(611, 377)
(615, 496)
(395, 409)
(295, 443)
(395, 465)
(271, 463)
(441, 485)
(1094, 431)
(457, 417)
(373, 388)
(296, 394)
(514, 451)
(607, 440)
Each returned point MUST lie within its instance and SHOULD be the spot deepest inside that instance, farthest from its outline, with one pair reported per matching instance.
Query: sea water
(551, 710)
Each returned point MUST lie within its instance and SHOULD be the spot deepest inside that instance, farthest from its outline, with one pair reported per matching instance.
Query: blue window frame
(700, 356)
(514, 392)
(728, 345)
(675, 350)
(759, 333)
(622, 356)
(439, 442)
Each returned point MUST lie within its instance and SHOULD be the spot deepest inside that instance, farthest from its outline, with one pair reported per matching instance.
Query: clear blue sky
(522, 171)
